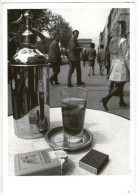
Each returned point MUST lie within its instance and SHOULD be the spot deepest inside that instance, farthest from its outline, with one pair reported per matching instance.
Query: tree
(43, 19)
(61, 27)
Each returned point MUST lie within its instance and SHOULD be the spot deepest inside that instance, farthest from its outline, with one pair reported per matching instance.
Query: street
(97, 87)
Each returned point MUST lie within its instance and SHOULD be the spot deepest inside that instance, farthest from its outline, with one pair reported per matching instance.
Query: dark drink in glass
(73, 115)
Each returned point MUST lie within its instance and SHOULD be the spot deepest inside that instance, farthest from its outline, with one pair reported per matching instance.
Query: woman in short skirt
(119, 71)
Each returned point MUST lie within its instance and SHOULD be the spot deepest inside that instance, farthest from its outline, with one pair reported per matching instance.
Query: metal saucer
(55, 139)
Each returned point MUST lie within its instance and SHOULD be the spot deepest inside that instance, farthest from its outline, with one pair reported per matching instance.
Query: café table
(111, 135)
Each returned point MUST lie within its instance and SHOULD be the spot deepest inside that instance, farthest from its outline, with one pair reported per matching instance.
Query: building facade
(122, 14)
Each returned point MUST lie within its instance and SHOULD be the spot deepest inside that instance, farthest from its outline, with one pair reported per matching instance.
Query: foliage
(43, 19)
(61, 27)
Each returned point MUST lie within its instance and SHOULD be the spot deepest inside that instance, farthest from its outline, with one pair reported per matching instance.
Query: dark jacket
(74, 50)
(54, 52)
(84, 56)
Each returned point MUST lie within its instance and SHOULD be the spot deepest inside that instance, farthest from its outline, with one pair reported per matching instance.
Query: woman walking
(91, 58)
(84, 57)
(119, 72)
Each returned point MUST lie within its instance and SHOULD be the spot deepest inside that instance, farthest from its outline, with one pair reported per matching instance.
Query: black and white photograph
(69, 97)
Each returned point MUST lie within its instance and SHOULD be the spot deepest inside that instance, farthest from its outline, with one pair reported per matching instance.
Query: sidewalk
(97, 88)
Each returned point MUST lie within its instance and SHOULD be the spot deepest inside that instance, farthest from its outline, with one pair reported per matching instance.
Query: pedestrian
(84, 57)
(91, 58)
(107, 60)
(119, 72)
(101, 58)
(108, 63)
(55, 60)
(74, 59)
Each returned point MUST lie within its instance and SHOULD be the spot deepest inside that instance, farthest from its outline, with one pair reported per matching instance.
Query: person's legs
(111, 86)
(89, 71)
(89, 66)
(108, 69)
(122, 89)
(122, 102)
(52, 76)
(93, 63)
(93, 70)
(111, 94)
(56, 70)
(78, 70)
(100, 66)
(71, 70)
(102, 70)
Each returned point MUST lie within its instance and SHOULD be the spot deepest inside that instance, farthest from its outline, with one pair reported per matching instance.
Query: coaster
(56, 140)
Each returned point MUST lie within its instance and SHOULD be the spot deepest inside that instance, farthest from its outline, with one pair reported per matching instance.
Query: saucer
(55, 139)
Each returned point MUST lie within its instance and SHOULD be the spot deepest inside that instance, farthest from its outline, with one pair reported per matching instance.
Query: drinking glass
(73, 104)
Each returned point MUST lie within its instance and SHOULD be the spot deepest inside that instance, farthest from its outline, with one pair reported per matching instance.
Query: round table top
(111, 136)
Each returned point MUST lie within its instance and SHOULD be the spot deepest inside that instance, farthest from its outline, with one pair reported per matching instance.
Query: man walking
(74, 58)
(55, 60)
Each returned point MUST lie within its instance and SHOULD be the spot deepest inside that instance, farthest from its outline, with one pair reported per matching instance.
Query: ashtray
(55, 139)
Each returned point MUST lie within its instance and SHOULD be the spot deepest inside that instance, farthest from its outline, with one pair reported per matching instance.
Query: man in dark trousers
(55, 60)
(74, 58)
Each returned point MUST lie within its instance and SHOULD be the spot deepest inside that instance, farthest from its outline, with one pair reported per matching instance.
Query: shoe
(70, 85)
(57, 83)
(122, 104)
(93, 74)
(81, 83)
(104, 102)
(51, 82)
(88, 74)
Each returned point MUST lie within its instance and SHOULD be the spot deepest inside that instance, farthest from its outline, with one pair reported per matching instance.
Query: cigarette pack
(37, 163)
(94, 161)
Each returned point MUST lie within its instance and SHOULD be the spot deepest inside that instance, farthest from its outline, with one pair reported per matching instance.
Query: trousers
(72, 66)
(56, 71)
